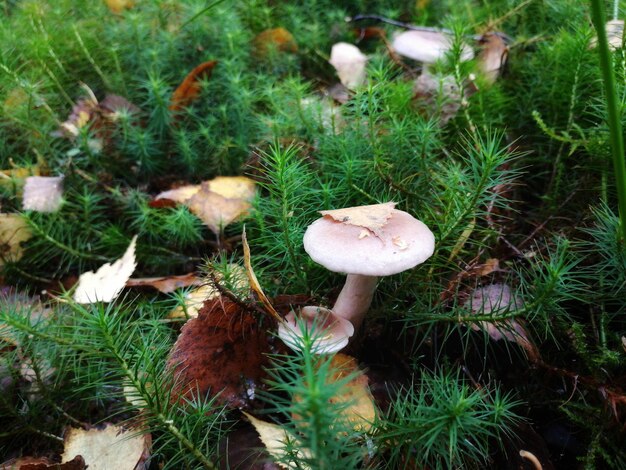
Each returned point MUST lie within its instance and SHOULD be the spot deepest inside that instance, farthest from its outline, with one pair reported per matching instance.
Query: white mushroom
(402, 242)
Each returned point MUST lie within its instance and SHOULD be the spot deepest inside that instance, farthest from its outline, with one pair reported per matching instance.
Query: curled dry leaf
(372, 218)
(106, 284)
(220, 353)
(43, 193)
(493, 56)
(277, 440)
(112, 447)
(437, 95)
(496, 300)
(117, 7)
(13, 231)
(180, 195)
(350, 63)
(166, 284)
(189, 89)
(275, 39)
(427, 46)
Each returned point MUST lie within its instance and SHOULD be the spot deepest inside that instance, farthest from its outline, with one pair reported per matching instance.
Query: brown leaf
(220, 353)
(107, 448)
(13, 231)
(275, 39)
(222, 200)
(166, 284)
(372, 218)
(43, 463)
(493, 56)
(117, 7)
(180, 194)
(242, 449)
(189, 89)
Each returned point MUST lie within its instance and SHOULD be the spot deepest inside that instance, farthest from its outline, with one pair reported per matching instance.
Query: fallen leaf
(493, 56)
(81, 114)
(254, 282)
(43, 193)
(15, 176)
(222, 200)
(112, 447)
(350, 63)
(166, 284)
(180, 195)
(221, 353)
(13, 231)
(277, 440)
(106, 284)
(360, 411)
(372, 218)
(117, 7)
(275, 39)
(496, 300)
(189, 89)
(43, 463)
(242, 449)
(614, 34)
(427, 46)
(438, 95)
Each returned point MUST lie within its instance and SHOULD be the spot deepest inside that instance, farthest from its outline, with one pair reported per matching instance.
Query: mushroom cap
(404, 243)
(330, 332)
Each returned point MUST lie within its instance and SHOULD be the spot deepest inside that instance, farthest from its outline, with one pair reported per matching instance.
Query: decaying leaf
(427, 46)
(360, 411)
(43, 193)
(614, 34)
(254, 282)
(493, 56)
(220, 353)
(437, 94)
(277, 439)
(106, 284)
(181, 194)
(43, 463)
(81, 115)
(496, 300)
(117, 7)
(372, 218)
(189, 89)
(277, 39)
(13, 231)
(166, 284)
(112, 447)
(222, 200)
(350, 63)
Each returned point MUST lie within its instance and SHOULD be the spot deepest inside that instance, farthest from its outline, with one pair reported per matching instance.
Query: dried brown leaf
(43, 463)
(189, 89)
(275, 39)
(117, 7)
(372, 218)
(166, 284)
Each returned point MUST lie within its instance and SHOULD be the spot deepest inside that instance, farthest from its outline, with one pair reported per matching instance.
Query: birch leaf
(107, 282)
(372, 218)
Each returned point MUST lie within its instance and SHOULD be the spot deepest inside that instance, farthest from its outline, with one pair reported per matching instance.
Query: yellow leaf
(372, 218)
(179, 195)
(106, 284)
(110, 448)
(118, 6)
(221, 201)
(275, 439)
(278, 39)
(13, 231)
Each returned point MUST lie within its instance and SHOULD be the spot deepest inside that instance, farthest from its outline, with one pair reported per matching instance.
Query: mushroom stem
(355, 298)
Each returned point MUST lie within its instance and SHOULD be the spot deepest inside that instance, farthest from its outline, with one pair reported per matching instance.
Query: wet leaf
(111, 447)
(275, 39)
(427, 46)
(106, 284)
(13, 231)
(220, 353)
(43, 193)
(166, 284)
(117, 7)
(254, 282)
(372, 218)
(350, 63)
(275, 439)
(493, 56)
(189, 89)
(222, 200)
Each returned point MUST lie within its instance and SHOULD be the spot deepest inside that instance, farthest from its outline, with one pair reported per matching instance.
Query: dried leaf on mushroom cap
(372, 218)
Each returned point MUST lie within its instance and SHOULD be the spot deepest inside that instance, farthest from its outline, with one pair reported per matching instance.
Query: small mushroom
(366, 242)
(329, 332)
